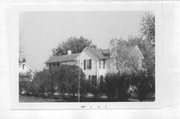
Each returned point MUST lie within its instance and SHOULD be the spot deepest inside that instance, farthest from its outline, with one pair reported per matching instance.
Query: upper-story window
(87, 64)
(84, 64)
(103, 63)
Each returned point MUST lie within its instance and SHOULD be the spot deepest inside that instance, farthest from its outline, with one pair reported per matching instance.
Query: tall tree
(147, 27)
(146, 83)
(147, 45)
(74, 44)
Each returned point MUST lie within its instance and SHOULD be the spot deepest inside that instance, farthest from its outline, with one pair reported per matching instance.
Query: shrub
(67, 78)
(116, 86)
(64, 79)
(89, 87)
(145, 84)
(25, 83)
(42, 83)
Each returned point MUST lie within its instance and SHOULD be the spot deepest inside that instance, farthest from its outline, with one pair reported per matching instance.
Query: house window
(103, 63)
(84, 64)
(87, 64)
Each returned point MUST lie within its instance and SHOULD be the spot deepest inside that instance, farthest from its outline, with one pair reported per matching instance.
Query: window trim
(87, 64)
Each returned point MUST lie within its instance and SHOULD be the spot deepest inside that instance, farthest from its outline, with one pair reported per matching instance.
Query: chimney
(69, 52)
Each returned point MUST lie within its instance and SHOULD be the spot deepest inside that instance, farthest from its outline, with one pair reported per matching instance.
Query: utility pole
(79, 82)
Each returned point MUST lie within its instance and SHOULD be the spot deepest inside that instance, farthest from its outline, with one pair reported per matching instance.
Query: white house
(94, 62)
(25, 69)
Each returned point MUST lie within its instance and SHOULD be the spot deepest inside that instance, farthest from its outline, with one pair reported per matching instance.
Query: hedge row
(69, 79)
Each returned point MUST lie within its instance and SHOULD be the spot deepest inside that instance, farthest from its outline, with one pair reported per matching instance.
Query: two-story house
(91, 60)
(94, 62)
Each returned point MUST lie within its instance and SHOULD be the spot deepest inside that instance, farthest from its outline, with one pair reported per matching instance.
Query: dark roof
(99, 53)
(105, 51)
(62, 58)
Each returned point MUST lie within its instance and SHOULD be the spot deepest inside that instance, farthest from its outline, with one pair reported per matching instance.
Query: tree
(64, 79)
(74, 44)
(24, 82)
(147, 45)
(67, 78)
(147, 27)
(146, 81)
(42, 82)
(124, 56)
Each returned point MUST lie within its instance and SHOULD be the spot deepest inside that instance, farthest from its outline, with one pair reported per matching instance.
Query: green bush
(68, 79)
(64, 79)
(116, 86)
(145, 84)
(25, 83)
(89, 87)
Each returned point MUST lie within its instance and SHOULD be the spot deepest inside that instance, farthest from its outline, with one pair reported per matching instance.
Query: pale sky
(40, 32)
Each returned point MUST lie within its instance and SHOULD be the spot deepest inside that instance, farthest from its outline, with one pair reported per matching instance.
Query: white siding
(102, 71)
(93, 71)
(24, 68)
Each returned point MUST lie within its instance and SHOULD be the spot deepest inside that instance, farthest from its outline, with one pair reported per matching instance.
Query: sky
(40, 32)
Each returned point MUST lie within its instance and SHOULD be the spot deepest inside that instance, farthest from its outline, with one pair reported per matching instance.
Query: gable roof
(28, 66)
(62, 58)
(105, 51)
(99, 53)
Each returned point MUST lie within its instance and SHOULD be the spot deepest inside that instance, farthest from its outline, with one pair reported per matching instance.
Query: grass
(24, 98)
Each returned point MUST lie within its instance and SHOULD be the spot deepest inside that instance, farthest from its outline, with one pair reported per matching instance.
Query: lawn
(23, 98)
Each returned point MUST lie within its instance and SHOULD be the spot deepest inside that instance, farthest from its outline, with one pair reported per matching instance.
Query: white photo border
(13, 34)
